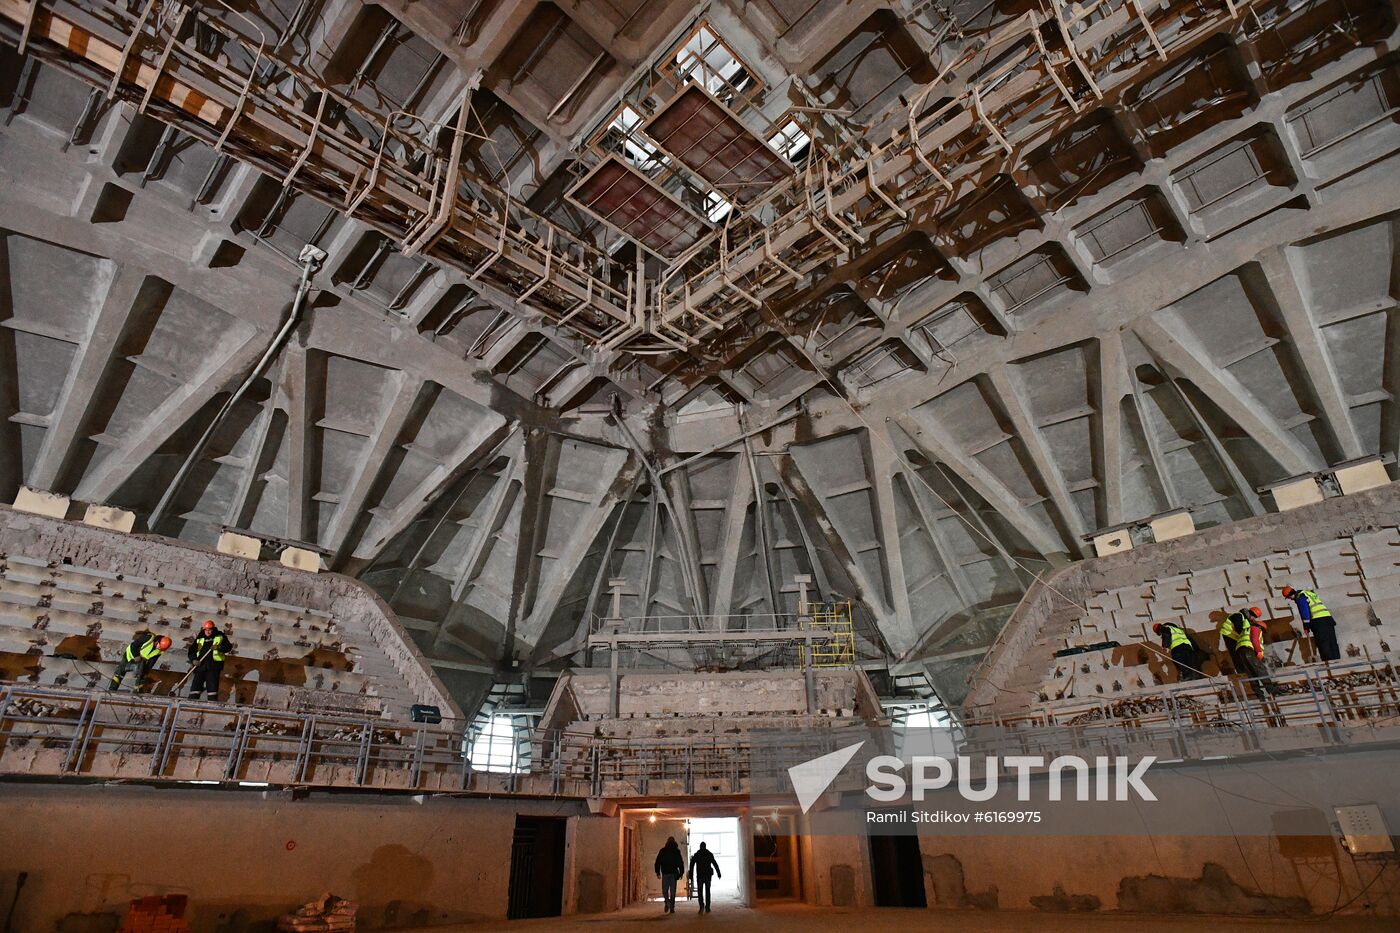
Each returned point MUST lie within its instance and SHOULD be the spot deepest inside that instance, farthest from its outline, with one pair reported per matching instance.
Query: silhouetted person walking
(670, 865)
(702, 866)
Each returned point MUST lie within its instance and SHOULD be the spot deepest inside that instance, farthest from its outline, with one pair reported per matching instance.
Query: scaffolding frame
(1019, 87)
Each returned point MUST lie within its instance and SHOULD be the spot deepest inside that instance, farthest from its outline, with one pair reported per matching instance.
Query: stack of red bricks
(156, 915)
(326, 914)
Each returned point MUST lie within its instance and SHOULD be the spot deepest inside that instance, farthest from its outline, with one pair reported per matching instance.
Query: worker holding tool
(141, 655)
(1185, 654)
(1317, 621)
(207, 657)
(1244, 636)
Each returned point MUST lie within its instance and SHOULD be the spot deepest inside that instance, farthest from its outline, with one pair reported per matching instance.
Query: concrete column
(747, 888)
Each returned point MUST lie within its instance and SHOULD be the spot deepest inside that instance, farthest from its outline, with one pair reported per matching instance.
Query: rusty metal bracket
(127, 48)
(879, 192)
(1147, 27)
(1050, 69)
(1074, 52)
(310, 142)
(164, 57)
(441, 219)
(917, 146)
(29, 17)
(991, 127)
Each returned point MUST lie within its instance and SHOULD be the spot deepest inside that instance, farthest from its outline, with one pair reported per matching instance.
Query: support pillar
(803, 621)
(748, 889)
(614, 623)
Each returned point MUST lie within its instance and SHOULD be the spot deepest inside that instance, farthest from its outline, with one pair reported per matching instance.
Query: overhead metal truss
(403, 175)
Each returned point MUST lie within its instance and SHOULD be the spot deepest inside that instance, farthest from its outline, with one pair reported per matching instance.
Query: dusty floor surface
(799, 918)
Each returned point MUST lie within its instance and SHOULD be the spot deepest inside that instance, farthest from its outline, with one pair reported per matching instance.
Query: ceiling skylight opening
(791, 141)
(705, 59)
(716, 207)
(624, 136)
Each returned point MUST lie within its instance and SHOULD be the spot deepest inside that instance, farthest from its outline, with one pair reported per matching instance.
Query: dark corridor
(897, 867)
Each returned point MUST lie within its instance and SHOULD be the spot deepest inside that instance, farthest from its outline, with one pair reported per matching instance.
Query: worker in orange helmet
(1317, 621)
(206, 656)
(1185, 654)
(1244, 638)
(139, 656)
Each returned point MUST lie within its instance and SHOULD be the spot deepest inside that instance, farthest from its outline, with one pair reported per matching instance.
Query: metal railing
(54, 733)
(1313, 706)
(93, 735)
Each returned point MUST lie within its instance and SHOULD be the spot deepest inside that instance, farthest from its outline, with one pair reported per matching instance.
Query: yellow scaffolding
(839, 648)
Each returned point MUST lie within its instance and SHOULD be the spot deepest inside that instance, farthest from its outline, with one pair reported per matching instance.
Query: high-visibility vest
(1176, 636)
(216, 647)
(148, 651)
(1315, 607)
(1236, 629)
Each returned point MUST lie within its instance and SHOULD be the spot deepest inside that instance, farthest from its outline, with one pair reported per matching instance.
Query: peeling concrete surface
(1214, 892)
(943, 875)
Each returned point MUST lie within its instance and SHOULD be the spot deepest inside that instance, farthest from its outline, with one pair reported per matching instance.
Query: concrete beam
(1318, 369)
(94, 356)
(1009, 396)
(1182, 354)
(404, 396)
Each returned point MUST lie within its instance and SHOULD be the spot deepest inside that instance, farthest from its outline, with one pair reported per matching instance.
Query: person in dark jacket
(207, 655)
(1243, 633)
(702, 866)
(1317, 621)
(670, 865)
(139, 656)
(1182, 646)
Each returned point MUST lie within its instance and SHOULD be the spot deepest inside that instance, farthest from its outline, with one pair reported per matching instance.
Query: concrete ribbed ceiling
(1187, 293)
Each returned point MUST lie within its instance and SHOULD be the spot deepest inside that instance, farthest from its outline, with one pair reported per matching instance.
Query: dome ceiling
(960, 286)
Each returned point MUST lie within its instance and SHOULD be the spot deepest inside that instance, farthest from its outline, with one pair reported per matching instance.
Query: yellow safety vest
(216, 652)
(1177, 635)
(1236, 629)
(151, 649)
(1315, 606)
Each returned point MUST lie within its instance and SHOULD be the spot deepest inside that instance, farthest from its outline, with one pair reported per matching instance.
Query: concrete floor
(800, 918)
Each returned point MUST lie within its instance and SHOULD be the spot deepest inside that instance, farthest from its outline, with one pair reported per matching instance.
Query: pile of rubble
(1340, 683)
(326, 914)
(28, 707)
(1135, 707)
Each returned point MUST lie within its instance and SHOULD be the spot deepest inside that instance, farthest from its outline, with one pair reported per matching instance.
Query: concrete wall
(666, 695)
(836, 869)
(245, 857)
(650, 837)
(1188, 874)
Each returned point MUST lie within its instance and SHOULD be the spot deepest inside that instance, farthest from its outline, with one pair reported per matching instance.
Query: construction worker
(1244, 637)
(207, 655)
(1182, 646)
(1317, 621)
(702, 867)
(141, 655)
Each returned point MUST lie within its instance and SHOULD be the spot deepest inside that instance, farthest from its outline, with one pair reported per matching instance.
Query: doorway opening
(897, 870)
(537, 867)
(775, 875)
(720, 835)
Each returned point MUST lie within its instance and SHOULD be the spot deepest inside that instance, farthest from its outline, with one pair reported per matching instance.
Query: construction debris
(1133, 707)
(157, 914)
(326, 914)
